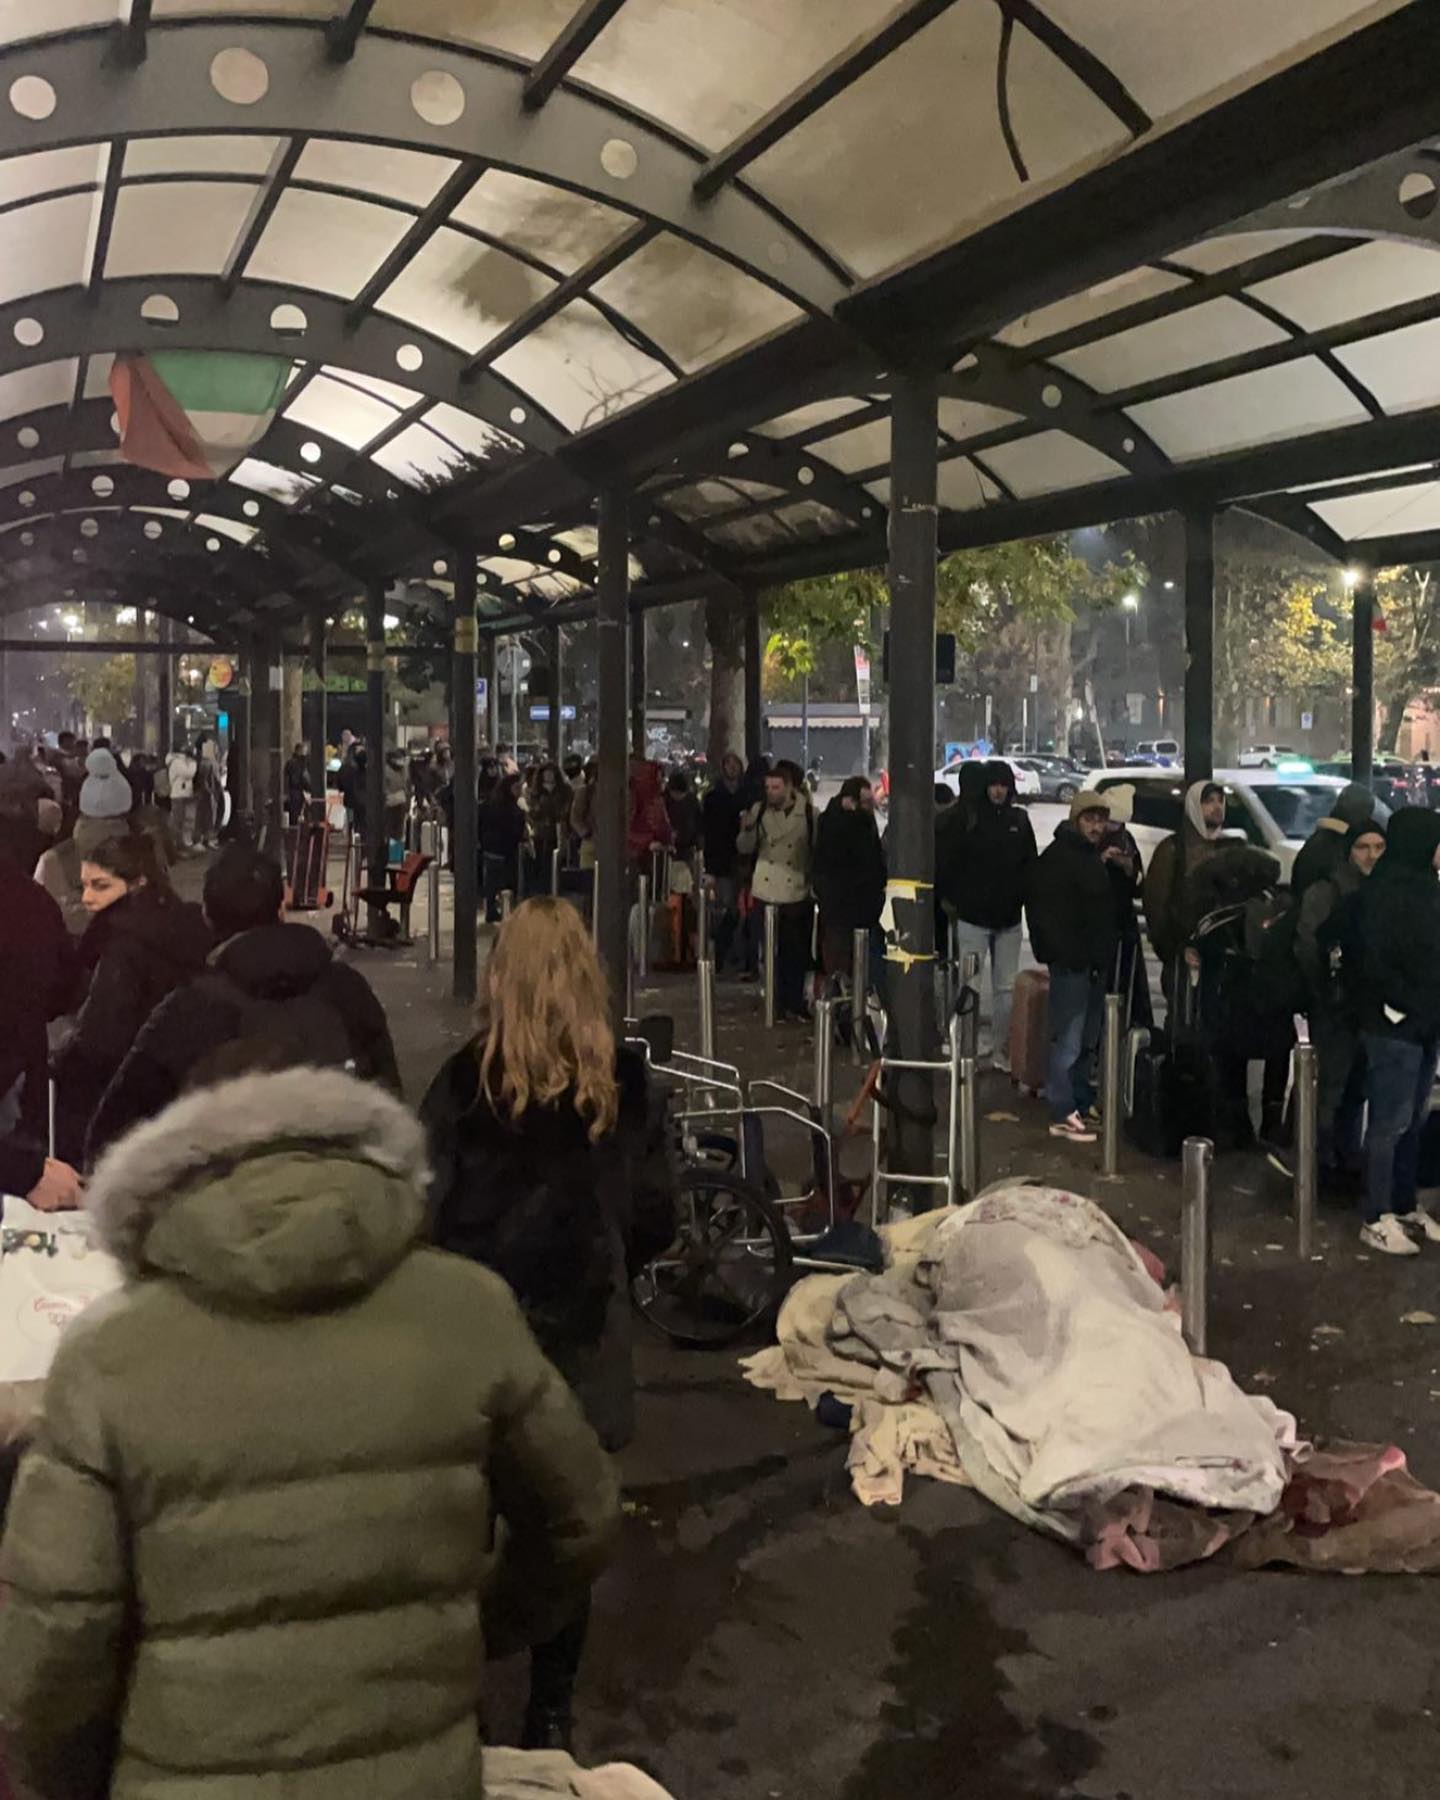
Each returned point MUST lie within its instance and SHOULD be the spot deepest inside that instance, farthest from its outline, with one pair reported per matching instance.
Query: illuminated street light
(392, 621)
(1130, 602)
(1351, 578)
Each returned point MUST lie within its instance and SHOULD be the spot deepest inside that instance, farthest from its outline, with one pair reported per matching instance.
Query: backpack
(1270, 923)
(302, 1031)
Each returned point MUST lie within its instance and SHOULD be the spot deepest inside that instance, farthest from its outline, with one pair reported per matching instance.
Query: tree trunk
(1392, 723)
(725, 630)
(293, 728)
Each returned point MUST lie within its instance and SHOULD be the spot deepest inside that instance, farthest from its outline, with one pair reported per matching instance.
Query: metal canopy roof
(518, 248)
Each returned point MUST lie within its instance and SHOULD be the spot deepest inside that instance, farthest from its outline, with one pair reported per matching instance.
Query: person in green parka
(248, 1544)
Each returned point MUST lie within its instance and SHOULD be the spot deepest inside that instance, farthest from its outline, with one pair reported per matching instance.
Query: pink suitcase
(1030, 1029)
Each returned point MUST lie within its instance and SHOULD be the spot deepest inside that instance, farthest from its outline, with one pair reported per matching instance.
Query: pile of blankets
(1021, 1344)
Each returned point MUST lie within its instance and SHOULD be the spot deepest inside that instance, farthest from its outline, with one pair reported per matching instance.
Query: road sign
(541, 714)
(1307, 721)
(482, 693)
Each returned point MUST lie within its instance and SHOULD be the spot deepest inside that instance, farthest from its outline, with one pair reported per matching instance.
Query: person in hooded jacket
(1169, 910)
(1325, 850)
(253, 1544)
(848, 873)
(552, 1167)
(982, 874)
(141, 943)
(550, 802)
(270, 981)
(1396, 931)
(683, 811)
(649, 827)
(503, 829)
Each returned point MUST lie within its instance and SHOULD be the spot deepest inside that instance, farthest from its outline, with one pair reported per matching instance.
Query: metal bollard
(825, 1062)
(772, 928)
(969, 1129)
(507, 903)
(432, 876)
(702, 921)
(859, 991)
(705, 976)
(1111, 1103)
(555, 872)
(970, 1019)
(1307, 1149)
(640, 955)
(1195, 1159)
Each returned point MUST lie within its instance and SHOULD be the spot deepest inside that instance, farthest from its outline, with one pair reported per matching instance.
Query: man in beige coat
(780, 836)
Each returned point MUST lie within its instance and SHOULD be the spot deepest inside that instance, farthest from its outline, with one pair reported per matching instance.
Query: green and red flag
(195, 413)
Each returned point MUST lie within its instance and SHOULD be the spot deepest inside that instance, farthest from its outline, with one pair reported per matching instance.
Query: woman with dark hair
(503, 830)
(549, 823)
(683, 811)
(142, 942)
(552, 1168)
(849, 876)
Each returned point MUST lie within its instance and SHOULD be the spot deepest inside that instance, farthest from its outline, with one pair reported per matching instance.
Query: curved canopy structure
(515, 250)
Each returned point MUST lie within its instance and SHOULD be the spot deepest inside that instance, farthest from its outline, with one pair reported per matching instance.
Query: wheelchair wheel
(728, 1269)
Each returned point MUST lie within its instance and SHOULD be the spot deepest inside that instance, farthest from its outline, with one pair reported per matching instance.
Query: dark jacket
(1397, 933)
(720, 812)
(278, 983)
(297, 780)
(134, 954)
(247, 1551)
(649, 823)
(36, 983)
(564, 1221)
(1326, 848)
(983, 872)
(848, 870)
(502, 827)
(1170, 903)
(683, 811)
(1071, 905)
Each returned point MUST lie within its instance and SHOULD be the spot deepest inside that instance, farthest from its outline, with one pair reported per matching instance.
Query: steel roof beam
(342, 33)
(288, 152)
(427, 222)
(131, 35)
(590, 19)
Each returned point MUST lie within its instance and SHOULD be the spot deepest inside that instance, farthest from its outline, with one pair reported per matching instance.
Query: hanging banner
(195, 414)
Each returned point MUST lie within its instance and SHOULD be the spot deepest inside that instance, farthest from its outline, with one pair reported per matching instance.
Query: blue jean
(1077, 1012)
(1003, 950)
(1398, 1079)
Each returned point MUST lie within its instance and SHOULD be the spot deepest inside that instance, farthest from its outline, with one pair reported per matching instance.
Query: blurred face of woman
(1366, 851)
(101, 888)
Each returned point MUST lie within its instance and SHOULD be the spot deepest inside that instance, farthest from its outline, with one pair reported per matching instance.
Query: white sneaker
(1077, 1131)
(1001, 1062)
(1388, 1236)
(1422, 1221)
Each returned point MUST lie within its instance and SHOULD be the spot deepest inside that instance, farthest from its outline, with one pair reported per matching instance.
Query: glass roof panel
(177, 227)
(962, 487)
(1094, 303)
(416, 455)
(805, 418)
(1364, 280)
(44, 246)
(524, 27)
(30, 390)
(1214, 255)
(862, 179)
(1260, 408)
(97, 375)
(340, 412)
(408, 175)
(462, 291)
(711, 71)
(241, 154)
(284, 9)
(26, 177)
(580, 369)
(31, 471)
(702, 499)
(95, 459)
(1048, 462)
(473, 436)
(562, 229)
(260, 477)
(1200, 334)
(692, 304)
(962, 419)
(231, 528)
(1401, 369)
(1383, 514)
(24, 18)
(372, 384)
(324, 242)
(860, 448)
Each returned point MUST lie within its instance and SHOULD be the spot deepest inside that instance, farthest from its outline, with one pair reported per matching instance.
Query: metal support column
(1307, 1150)
(142, 688)
(466, 893)
(165, 701)
(556, 733)
(317, 728)
(612, 893)
(240, 703)
(754, 670)
(638, 690)
(271, 823)
(1196, 1155)
(375, 847)
(910, 842)
(1199, 646)
(1362, 679)
(489, 667)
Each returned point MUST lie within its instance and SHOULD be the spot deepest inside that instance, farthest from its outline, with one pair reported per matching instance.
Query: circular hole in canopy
(115, 423)
(310, 453)
(618, 159)
(410, 357)
(178, 489)
(26, 498)
(102, 487)
(78, 555)
(239, 76)
(1128, 446)
(27, 538)
(1051, 395)
(160, 309)
(27, 437)
(506, 540)
(440, 568)
(482, 579)
(437, 97)
(867, 512)
(252, 509)
(32, 97)
(289, 319)
(1417, 194)
(212, 544)
(738, 449)
(29, 332)
(517, 415)
(805, 475)
(88, 528)
(554, 556)
(153, 528)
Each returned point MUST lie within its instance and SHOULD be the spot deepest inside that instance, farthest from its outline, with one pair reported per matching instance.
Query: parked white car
(1268, 756)
(1027, 782)
(1275, 812)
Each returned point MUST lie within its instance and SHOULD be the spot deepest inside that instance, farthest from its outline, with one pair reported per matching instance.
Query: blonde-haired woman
(552, 1168)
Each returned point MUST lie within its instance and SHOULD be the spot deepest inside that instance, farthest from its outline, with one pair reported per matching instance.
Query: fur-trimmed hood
(283, 1191)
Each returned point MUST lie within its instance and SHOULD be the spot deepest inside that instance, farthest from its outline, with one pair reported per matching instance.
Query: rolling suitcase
(1030, 1030)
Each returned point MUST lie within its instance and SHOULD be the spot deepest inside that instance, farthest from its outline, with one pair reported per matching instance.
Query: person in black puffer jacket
(1071, 906)
(849, 875)
(142, 942)
(552, 1167)
(269, 984)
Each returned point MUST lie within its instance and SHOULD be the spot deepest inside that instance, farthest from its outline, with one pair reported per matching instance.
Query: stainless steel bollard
(1307, 1148)
(555, 872)
(640, 951)
(702, 921)
(970, 1019)
(772, 929)
(1195, 1159)
(705, 976)
(969, 1129)
(825, 1062)
(432, 923)
(859, 991)
(507, 903)
(1112, 1104)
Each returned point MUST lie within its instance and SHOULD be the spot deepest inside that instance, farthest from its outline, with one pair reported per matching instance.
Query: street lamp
(1351, 578)
(1131, 603)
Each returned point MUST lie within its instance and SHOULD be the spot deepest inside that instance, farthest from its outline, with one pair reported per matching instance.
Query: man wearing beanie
(106, 798)
(105, 793)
